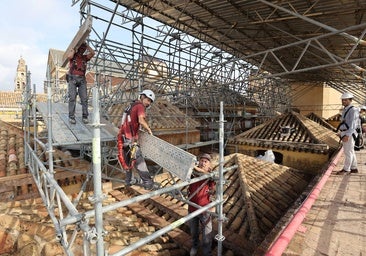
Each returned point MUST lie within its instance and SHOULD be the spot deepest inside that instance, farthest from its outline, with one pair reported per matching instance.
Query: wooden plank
(79, 38)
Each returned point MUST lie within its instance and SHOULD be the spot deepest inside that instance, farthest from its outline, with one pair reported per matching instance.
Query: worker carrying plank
(129, 153)
(78, 59)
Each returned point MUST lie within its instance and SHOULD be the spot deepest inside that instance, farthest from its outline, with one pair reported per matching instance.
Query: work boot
(85, 120)
(151, 186)
(343, 172)
(133, 181)
(72, 120)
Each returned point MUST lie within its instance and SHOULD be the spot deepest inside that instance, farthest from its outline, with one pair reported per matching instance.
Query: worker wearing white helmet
(347, 128)
(347, 95)
(149, 94)
(129, 153)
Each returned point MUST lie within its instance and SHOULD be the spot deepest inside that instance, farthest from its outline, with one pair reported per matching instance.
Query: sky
(29, 29)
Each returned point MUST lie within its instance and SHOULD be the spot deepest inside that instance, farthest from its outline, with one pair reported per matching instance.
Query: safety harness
(127, 149)
(343, 122)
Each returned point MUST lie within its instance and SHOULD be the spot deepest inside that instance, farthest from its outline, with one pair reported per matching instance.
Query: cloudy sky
(29, 28)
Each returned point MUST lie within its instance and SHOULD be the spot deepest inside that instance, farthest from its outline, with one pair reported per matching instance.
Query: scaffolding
(144, 53)
(136, 52)
(64, 212)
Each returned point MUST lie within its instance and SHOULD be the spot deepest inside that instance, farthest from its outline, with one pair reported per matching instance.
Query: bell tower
(20, 80)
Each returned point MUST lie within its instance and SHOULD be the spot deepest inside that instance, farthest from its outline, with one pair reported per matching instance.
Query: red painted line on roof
(281, 243)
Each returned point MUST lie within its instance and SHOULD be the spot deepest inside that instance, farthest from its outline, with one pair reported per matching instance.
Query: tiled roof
(10, 99)
(293, 131)
(27, 223)
(12, 164)
(11, 150)
(161, 116)
(257, 195)
(320, 120)
(336, 117)
(14, 99)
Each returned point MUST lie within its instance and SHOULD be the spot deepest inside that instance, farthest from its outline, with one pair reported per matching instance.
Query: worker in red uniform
(129, 153)
(78, 59)
(200, 193)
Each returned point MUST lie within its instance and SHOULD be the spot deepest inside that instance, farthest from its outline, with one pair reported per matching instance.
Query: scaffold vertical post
(96, 152)
(219, 236)
(50, 144)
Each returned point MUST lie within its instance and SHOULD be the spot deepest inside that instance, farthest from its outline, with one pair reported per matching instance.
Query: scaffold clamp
(220, 237)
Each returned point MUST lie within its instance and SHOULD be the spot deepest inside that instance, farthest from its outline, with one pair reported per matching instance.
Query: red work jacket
(201, 197)
(130, 128)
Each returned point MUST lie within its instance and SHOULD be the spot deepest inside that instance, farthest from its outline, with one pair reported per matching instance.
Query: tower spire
(20, 80)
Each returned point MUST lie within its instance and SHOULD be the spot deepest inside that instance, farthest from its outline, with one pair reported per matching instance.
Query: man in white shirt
(347, 129)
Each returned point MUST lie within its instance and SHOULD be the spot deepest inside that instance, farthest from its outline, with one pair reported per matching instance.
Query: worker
(359, 138)
(347, 134)
(363, 119)
(200, 193)
(77, 81)
(129, 153)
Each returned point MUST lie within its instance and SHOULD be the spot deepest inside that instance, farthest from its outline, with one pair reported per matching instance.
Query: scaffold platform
(64, 133)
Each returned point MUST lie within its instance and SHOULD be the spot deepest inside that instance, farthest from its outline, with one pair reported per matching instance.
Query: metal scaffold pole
(97, 174)
(219, 237)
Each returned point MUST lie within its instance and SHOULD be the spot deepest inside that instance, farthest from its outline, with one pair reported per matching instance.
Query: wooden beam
(79, 38)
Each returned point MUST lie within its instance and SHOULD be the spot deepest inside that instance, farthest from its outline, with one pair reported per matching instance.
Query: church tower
(20, 80)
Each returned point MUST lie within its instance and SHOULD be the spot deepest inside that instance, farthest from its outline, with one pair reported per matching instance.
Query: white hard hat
(148, 93)
(347, 95)
(363, 108)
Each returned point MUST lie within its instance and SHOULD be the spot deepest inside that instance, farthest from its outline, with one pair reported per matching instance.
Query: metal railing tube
(77, 217)
(166, 229)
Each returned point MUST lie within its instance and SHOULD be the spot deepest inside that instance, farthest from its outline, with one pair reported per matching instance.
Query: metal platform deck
(64, 133)
(173, 159)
